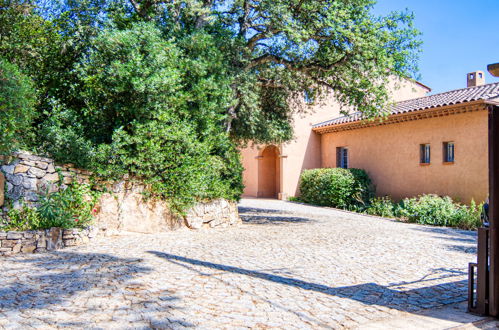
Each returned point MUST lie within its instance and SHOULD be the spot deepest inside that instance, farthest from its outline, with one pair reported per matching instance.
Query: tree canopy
(167, 89)
(17, 101)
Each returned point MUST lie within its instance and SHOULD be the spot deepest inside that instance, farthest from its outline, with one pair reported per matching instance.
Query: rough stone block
(17, 248)
(70, 242)
(28, 163)
(50, 168)
(29, 183)
(9, 243)
(42, 165)
(14, 235)
(8, 169)
(16, 180)
(52, 177)
(28, 249)
(21, 169)
(31, 196)
(36, 172)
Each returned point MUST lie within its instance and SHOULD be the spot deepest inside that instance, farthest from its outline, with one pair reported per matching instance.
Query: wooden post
(494, 210)
(482, 290)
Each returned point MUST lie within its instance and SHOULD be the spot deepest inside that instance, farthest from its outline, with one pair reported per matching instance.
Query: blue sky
(459, 36)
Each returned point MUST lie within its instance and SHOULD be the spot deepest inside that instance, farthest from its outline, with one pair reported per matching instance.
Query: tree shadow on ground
(395, 295)
(465, 241)
(272, 220)
(256, 210)
(465, 236)
(57, 278)
(463, 249)
(266, 217)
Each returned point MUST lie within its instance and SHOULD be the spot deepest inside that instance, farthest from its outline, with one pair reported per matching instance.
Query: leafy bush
(439, 211)
(336, 187)
(24, 218)
(73, 207)
(352, 189)
(17, 100)
(139, 114)
(381, 206)
(428, 210)
(468, 217)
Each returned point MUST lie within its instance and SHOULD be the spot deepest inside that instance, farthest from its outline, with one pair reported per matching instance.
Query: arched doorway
(269, 173)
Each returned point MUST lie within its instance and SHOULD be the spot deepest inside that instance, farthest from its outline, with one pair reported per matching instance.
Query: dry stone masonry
(24, 176)
(12, 242)
(123, 208)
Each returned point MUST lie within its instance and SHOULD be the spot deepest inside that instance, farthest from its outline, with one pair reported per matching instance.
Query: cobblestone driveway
(289, 266)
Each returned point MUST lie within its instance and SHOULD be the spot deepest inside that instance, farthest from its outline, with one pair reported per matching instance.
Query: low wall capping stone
(122, 209)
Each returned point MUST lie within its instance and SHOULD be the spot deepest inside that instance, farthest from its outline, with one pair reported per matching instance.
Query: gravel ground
(288, 266)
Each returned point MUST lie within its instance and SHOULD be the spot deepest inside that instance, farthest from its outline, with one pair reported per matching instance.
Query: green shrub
(67, 208)
(17, 101)
(24, 218)
(73, 207)
(468, 217)
(439, 211)
(139, 114)
(428, 210)
(381, 206)
(336, 187)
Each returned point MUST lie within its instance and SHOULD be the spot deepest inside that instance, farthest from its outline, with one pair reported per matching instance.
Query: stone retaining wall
(23, 176)
(13, 242)
(123, 208)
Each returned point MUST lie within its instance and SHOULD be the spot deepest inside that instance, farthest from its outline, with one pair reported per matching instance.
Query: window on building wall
(424, 151)
(448, 151)
(342, 157)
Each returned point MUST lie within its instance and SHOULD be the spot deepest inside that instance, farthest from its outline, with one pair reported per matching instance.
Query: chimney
(476, 78)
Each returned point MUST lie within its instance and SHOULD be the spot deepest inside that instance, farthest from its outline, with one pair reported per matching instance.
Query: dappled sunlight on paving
(287, 266)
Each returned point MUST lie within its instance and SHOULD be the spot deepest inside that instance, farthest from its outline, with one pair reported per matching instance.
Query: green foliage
(336, 187)
(352, 189)
(273, 51)
(144, 117)
(163, 90)
(381, 206)
(428, 210)
(439, 211)
(17, 101)
(468, 217)
(73, 207)
(24, 218)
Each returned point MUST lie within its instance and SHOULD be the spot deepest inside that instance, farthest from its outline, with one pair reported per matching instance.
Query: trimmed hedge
(336, 187)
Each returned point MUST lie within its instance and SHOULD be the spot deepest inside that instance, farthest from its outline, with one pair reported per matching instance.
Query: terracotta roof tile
(484, 92)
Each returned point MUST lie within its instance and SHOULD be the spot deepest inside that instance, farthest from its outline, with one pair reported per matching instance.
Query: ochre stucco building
(428, 144)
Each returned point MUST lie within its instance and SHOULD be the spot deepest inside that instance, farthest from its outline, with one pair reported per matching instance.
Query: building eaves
(488, 92)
